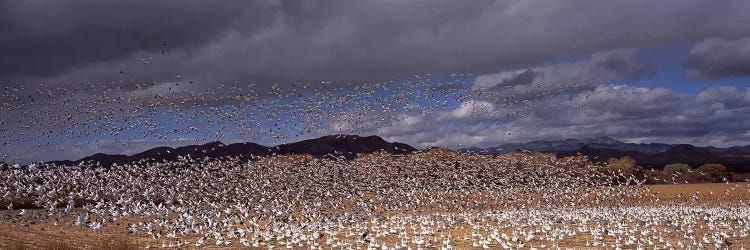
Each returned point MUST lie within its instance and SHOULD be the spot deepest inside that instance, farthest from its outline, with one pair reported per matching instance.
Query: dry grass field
(114, 236)
(432, 200)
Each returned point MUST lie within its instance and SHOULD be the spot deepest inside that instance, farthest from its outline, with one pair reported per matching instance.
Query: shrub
(654, 177)
(740, 177)
(627, 167)
(713, 172)
(675, 168)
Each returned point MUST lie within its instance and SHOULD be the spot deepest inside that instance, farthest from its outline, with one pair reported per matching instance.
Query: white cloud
(625, 112)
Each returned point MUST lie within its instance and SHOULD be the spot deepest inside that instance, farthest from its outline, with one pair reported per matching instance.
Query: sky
(81, 77)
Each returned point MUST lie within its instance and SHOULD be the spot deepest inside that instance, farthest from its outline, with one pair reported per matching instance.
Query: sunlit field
(434, 199)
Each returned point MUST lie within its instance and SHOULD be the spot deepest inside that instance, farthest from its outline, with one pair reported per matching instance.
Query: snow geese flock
(60, 121)
(432, 199)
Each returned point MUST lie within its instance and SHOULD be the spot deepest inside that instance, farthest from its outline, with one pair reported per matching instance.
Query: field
(430, 200)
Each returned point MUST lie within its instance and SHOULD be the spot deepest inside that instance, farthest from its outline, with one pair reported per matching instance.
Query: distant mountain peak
(340, 145)
(565, 145)
(214, 144)
(602, 140)
(606, 138)
(344, 145)
(686, 149)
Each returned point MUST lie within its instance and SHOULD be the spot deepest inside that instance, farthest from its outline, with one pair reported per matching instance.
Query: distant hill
(652, 155)
(347, 146)
(603, 142)
(343, 145)
(740, 148)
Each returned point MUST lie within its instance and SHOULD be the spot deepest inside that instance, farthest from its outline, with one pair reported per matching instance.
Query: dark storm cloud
(46, 38)
(717, 58)
(283, 41)
(562, 79)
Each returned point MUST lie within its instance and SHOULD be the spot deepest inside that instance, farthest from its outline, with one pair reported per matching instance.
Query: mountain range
(651, 155)
(603, 142)
(600, 149)
(347, 146)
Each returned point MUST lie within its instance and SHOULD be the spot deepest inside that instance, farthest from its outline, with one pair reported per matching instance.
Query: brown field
(429, 200)
(114, 236)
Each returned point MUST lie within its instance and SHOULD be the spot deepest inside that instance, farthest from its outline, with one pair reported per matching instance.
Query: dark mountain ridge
(347, 146)
(600, 149)
(574, 144)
